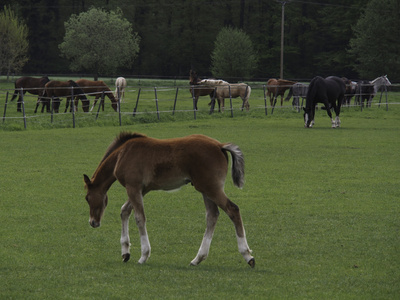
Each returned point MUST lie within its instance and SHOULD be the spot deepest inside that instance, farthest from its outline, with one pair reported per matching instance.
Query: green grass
(320, 208)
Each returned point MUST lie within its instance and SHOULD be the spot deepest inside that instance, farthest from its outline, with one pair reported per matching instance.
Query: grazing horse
(277, 87)
(366, 90)
(96, 88)
(297, 90)
(326, 91)
(69, 89)
(120, 85)
(197, 89)
(351, 88)
(224, 89)
(34, 86)
(143, 164)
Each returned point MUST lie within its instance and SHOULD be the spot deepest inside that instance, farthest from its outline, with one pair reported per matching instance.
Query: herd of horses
(50, 92)
(332, 91)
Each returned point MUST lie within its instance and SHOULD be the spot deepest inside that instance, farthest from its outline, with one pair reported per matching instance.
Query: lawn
(320, 208)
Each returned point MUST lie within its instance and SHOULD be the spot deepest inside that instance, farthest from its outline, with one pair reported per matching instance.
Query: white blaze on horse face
(306, 119)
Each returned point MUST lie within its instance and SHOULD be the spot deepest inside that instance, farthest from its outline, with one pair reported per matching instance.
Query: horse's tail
(237, 163)
(248, 92)
(290, 94)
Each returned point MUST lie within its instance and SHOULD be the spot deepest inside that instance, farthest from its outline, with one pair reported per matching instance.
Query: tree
(13, 42)
(233, 55)
(377, 40)
(99, 42)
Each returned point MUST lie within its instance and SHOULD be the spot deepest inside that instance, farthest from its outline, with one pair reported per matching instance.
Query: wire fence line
(143, 103)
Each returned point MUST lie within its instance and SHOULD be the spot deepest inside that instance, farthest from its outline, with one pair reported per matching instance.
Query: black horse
(326, 91)
(69, 89)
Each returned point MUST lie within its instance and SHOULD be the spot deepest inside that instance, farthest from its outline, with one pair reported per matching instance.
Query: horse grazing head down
(97, 202)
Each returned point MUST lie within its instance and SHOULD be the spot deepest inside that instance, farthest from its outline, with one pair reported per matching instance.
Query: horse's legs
(102, 104)
(76, 101)
(232, 210)
(212, 214)
(136, 202)
(94, 103)
(126, 211)
(66, 105)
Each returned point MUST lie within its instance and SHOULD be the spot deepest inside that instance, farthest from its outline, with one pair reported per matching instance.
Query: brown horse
(34, 86)
(277, 87)
(69, 89)
(197, 89)
(96, 88)
(224, 89)
(142, 164)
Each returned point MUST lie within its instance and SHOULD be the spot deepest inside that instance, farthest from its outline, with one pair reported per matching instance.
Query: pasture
(320, 207)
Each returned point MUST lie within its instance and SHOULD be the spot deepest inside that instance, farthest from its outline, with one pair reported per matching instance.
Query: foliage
(233, 55)
(377, 39)
(99, 42)
(13, 42)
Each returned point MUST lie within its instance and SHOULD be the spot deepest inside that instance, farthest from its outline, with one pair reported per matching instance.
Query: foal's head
(97, 201)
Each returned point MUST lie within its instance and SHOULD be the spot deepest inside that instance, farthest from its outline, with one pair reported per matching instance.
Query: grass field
(320, 207)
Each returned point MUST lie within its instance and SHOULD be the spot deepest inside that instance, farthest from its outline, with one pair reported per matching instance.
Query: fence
(147, 100)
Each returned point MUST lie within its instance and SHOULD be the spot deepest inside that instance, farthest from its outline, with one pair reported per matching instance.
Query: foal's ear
(86, 179)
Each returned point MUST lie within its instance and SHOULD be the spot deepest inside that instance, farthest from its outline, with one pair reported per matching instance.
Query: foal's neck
(104, 176)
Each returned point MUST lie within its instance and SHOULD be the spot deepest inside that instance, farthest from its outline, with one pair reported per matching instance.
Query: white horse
(120, 85)
(224, 89)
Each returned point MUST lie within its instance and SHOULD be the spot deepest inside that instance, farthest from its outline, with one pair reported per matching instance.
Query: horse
(224, 89)
(367, 89)
(364, 92)
(120, 85)
(69, 89)
(196, 90)
(297, 90)
(143, 164)
(326, 91)
(34, 86)
(277, 87)
(97, 88)
(351, 88)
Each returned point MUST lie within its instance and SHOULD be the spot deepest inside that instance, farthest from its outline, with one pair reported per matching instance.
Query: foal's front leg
(126, 210)
(136, 202)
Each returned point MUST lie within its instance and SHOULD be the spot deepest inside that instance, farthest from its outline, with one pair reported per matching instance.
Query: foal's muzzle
(94, 224)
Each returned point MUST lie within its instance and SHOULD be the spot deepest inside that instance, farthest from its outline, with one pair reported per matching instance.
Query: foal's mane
(121, 139)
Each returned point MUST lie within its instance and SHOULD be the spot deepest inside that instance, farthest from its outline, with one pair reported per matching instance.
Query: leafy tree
(233, 55)
(377, 40)
(99, 42)
(13, 42)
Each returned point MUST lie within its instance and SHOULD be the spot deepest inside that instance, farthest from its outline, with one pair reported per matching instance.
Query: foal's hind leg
(232, 210)
(212, 214)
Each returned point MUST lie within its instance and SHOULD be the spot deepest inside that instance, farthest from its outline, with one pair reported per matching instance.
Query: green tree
(377, 40)
(99, 42)
(233, 55)
(13, 42)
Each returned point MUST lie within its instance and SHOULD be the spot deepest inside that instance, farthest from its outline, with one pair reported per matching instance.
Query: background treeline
(179, 35)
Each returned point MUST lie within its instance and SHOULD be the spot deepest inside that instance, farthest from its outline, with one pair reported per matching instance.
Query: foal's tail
(237, 164)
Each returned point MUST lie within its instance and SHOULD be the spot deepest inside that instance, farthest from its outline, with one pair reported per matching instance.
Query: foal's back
(168, 164)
